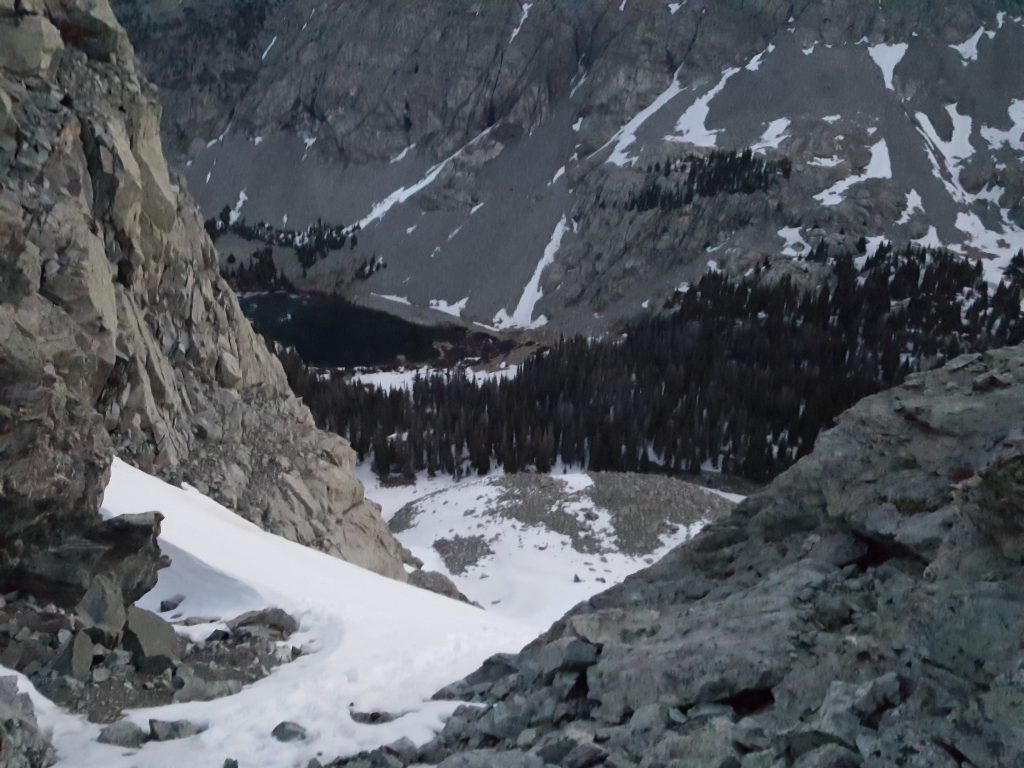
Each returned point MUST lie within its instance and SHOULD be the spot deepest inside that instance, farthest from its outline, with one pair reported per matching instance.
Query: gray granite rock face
(494, 122)
(863, 610)
(117, 336)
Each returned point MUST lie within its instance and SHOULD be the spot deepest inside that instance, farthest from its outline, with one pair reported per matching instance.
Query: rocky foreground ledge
(865, 610)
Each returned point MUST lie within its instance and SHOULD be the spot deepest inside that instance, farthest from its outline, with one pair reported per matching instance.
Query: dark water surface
(329, 331)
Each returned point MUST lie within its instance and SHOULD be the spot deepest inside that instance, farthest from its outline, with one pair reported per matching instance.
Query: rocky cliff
(472, 138)
(117, 336)
(864, 610)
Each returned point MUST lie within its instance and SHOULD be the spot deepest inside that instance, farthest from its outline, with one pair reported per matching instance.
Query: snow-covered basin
(376, 644)
(531, 574)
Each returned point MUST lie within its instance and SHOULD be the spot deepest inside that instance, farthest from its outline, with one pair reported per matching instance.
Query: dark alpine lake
(331, 332)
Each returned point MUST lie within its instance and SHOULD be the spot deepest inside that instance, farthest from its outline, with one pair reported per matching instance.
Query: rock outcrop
(117, 335)
(22, 745)
(864, 610)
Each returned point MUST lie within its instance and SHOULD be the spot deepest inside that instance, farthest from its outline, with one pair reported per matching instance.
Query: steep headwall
(117, 335)
(474, 138)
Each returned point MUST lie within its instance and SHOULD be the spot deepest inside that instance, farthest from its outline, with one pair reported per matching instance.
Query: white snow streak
(522, 316)
(381, 208)
(265, 52)
(401, 155)
(953, 152)
(236, 212)
(755, 63)
(522, 20)
(626, 135)
(396, 299)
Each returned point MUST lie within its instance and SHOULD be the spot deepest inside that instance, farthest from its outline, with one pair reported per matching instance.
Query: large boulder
(152, 641)
(101, 610)
(28, 44)
(278, 624)
(123, 733)
(22, 745)
(123, 551)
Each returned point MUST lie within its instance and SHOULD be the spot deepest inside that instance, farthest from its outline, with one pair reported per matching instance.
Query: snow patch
(626, 135)
(531, 574)
(914, 205)
(377, 645)
(887, 57)
(455, 310)
(755, 63)
(968, 49)
(879, 167)
(795, 245)
(1001, 245)
(774, 135)
(396, 299)
(691, 128)
(1014, 137)
(236, 212)
(953, 152)
(931, 240)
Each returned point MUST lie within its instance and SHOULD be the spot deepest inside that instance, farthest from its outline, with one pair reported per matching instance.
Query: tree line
(311, 244)
(675, 183)
(737, 375)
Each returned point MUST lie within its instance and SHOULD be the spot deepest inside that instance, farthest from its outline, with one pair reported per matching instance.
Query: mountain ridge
(455, 141)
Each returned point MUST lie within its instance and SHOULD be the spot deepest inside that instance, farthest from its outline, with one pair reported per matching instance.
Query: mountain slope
(529, 547)
(863, 610)
(468, 138)
(369, 644)
(117, 334)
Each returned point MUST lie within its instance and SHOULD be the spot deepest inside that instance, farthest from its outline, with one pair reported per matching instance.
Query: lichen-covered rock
(117, 334)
